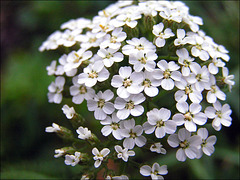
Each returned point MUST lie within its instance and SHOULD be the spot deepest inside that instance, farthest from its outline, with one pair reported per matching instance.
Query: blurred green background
(27, 151)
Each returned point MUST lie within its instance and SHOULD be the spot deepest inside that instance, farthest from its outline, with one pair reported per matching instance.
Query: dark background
(27, 151)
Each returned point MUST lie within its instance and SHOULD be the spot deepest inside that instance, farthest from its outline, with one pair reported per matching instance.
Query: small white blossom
(157, 147)
(123, 153)
(135, 45)
(100, 104)
(54, 128)
(129, 106)
(129, 19)
(84, 133)
(114, 41)
(52, 68)
(55, 90)
(127, 82)
(161, 36)
(214, 65)
(99, 156)
(133, 134)
(68, 37)
(220, 115)
(80, 91)
(93, 73)
(73, 160)
(110, 56)
(207, 142)
(227, 79)
(69, 112)
(158, 121)
(52, 42)
(189, 145)
(59, 153)
(167, 74)
(112, 125)
(181, 40)
(60, 68)
(141, 60)
(189, 116)
(155, 171)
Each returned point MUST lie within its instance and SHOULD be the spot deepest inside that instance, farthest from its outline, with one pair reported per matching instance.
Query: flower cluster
(122, 63)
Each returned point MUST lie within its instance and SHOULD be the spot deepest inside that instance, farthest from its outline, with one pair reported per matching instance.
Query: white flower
(129, 106)
(100, 105)
(167, 74)
(198, 50)
(68, 37)
(150, 84)
(123, 153)
(161, 36)
(84, 133)
(181, 40)
(133, 134)
(214, 91)
(122, 177)
(73, 160)
(214, 65)
(54, 128)
(102, 27)
(189, 145)
(129, 19)
(185, 91)
(112, 125)
(155, 171)
(52, 68)
(141, 60)
(193, 22)
(69, 112)
(207, 142)
(80, 91)
(127, 82)
(171, 15)
(227, 79)
(157, 147)
(55, 90)
(75, 59)
(99, 156)
(89, 40)
(135, 45)
(200, 77)
(220, 115)
(158, 121)
(185, 60)
(189, 116)
(93, 73)
(110, 56)
(79, 23)
(59, 153)
(60, 68)
(114, 41)
(52, 41)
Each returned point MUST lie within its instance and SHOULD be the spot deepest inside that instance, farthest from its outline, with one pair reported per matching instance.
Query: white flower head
(55, 90)
(123, 153)
(207, 142)
(130, 105)
(167, 74)
(110, 56)
(100, 104)
(220, 115)
(133, 134)
(112, 125)
(158, 121)
(69, 112)
(158, 148)
(99, 156)
(155, 171)
(84, 133)
(126, 82)
(189, 145)
(93, 73)
(80, 91)
(54, 128)
(73, 160)
(189, 116)
(161, 36)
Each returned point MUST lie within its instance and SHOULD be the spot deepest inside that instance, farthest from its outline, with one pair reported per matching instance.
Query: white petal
(183, 134)
(190, 126)
(160, 132)
(146, 170)
(106, 130)
(137, 110)
(129, 143)
(191, 152)
(167, 84)
(140, 141)
(180, 155)
(173, 140)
